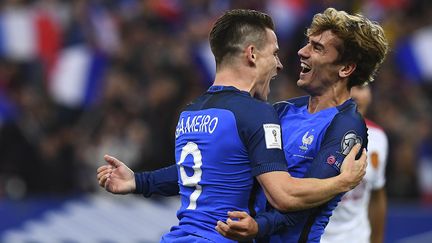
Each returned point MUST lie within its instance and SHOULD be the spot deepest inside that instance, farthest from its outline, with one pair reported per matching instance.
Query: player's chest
(302, 136)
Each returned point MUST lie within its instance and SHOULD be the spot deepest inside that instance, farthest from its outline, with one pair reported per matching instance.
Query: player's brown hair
(364, 42)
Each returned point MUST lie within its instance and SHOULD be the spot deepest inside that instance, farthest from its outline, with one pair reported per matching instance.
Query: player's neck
(332, 97)
(233, 77)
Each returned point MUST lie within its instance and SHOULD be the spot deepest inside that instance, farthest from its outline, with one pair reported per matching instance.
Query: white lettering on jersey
(200, 123)
(272, 136)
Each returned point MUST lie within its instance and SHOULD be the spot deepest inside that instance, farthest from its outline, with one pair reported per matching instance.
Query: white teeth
(304, 66)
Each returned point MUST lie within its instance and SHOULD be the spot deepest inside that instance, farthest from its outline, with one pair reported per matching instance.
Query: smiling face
(318, 59)
(267, 64)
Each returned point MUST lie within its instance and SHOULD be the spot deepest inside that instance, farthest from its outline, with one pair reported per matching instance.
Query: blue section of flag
(407, 61)
(207, 70)
(94, 82)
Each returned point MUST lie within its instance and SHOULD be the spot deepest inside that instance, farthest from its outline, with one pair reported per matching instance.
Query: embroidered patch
(272, 136)
(331, 159)
(349, 140)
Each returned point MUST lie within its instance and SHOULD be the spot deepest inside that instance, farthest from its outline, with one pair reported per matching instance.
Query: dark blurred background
(79, 79)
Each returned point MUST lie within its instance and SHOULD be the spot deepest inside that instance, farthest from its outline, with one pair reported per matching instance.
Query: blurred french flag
(27, 34)
(76, 78)
(413, 56)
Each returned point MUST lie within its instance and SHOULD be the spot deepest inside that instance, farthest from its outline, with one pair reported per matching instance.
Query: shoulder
(251, 107)
(230, 100)
(348, 120)
(348, 126)
(282, 106)
(348, 115)
(247, 110)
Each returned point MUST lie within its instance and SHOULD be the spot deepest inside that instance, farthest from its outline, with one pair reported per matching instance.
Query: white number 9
(191, 181)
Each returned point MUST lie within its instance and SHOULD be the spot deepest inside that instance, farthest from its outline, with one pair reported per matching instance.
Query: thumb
(354, 151)
(112, 161)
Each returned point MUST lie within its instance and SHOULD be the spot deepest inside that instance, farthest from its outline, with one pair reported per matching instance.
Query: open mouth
(305, 68)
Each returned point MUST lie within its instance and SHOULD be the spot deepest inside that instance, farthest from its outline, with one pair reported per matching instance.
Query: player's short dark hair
(236, 29)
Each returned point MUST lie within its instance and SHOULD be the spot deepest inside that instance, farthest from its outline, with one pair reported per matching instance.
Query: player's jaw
(263, 90)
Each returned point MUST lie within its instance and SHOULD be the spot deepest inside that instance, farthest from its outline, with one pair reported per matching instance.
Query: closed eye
(317, 46)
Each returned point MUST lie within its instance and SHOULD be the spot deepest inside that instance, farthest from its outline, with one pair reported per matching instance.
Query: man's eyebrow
(316, 43)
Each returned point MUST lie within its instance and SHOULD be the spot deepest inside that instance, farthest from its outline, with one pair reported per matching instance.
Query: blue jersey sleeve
(346, 129)
(162, 182)
(261, 133)
(271, 221)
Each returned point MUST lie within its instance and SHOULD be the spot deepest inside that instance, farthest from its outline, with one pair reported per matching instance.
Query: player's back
(214, 139)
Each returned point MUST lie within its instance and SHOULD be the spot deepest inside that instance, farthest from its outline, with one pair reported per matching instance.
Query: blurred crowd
(80, 79)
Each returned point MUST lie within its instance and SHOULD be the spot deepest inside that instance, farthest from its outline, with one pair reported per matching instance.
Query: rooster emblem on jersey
(306, 140)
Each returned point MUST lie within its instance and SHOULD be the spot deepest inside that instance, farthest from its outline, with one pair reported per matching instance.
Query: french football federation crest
(306, 140)
(349, 140)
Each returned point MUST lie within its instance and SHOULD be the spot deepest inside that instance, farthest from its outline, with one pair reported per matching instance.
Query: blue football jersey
(315, 145)
(223, 139)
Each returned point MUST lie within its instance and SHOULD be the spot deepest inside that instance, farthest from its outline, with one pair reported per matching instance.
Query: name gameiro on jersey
(196, 124)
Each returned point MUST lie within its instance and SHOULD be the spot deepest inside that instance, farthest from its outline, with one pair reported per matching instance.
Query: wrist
(262, 226)
(133, 185)
(344, 183)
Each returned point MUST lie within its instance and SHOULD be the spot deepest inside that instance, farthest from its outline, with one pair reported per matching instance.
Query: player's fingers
(236, 225)
(354, 150)
(222, 228)
(107, 185)
(112, 161)
(238, 214)
(103, 167)
(103, 179)
(101, 174)
(228, 232)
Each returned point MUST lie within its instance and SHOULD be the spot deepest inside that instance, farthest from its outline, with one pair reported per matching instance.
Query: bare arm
(377, 214)
(287, 193)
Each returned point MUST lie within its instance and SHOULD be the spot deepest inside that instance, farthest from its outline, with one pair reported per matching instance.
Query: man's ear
(251, 54)
(347, 69)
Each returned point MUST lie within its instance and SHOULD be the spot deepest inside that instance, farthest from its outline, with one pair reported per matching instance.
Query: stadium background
(79, 79)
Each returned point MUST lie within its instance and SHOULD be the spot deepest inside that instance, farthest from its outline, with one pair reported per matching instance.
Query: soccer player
(228, 136)
(360, 216)
(343, 51)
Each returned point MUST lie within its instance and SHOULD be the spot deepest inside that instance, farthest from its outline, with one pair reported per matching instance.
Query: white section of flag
(70, 75)
(422, 49)
(19, 34)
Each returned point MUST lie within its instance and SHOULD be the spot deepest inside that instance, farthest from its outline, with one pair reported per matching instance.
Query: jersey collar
(220, 88)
